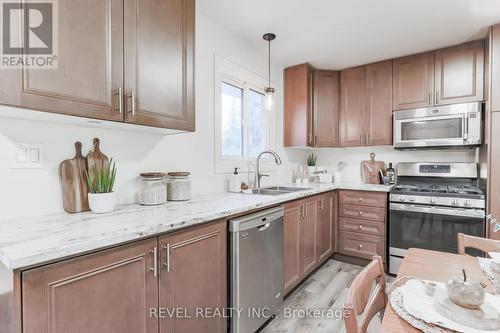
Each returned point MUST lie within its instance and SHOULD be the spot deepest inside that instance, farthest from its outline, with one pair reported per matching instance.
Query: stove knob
(412, 199)
(454, 202)
(433, 200)
(402, 198)
(467, 203)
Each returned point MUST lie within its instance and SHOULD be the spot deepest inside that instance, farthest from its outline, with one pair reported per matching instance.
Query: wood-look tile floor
(325, 289)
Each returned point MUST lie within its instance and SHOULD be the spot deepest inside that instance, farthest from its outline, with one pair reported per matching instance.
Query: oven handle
(438, 210)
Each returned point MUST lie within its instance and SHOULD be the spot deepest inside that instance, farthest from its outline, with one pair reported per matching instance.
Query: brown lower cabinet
(362, 224)
(193, 274)
(308, 237)
(494, 173)
(94, 293)
(122, 289)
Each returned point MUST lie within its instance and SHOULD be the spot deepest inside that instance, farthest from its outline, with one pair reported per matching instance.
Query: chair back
(482, 244)
(364, 300)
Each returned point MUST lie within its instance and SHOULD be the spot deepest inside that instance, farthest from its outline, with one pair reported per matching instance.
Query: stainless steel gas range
(430, 204)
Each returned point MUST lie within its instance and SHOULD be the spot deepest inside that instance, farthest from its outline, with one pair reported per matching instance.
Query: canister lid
(179, 174)
(153, 175)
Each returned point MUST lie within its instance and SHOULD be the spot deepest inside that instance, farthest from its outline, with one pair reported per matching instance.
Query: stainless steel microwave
(440, 126)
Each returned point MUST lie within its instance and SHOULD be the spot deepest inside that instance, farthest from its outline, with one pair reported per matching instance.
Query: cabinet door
(352, 107)
(325, 227)
(413, 81)
(292, 246)
(297, 106)
(494, 67)
(110, 291)
(494, 173)
(309, 235)
(90, 65)
(379, 103)
(159, 63)
(326, 109)
(193, 275)
(460, 73)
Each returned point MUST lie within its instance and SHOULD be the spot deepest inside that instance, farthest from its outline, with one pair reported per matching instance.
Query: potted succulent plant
(100, 182)
(311, 163)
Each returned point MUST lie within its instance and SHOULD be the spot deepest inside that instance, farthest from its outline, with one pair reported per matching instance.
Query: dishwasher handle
(264, 227)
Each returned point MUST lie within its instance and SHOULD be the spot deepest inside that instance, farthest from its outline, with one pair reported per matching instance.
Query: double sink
(278, 190)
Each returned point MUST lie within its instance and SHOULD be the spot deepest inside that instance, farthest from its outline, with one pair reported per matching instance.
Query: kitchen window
(242, 124)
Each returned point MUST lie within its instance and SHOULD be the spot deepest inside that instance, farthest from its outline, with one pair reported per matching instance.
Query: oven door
(430, 131)
(433, 228)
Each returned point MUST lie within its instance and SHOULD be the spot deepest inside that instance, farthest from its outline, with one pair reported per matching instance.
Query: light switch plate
(28, 156)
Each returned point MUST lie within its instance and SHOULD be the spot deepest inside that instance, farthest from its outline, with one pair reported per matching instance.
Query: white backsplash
(352, 158)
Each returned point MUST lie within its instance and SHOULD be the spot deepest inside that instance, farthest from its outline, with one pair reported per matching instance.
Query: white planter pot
(311, 170)
(101, 203)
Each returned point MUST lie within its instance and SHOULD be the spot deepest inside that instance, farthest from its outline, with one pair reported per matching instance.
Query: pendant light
(269, 91)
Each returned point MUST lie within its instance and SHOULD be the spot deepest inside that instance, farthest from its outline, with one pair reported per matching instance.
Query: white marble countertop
(30, 242)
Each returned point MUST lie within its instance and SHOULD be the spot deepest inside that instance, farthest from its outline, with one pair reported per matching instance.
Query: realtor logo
(29, 34)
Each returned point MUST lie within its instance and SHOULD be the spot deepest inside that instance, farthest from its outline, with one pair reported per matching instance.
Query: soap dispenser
(234, 181)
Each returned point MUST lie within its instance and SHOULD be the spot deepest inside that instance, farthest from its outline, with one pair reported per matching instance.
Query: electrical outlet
(28, 156)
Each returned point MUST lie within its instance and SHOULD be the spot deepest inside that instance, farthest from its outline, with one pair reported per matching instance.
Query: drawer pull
(360, 213)
(360, 246)
(360, 227)
(360, 199)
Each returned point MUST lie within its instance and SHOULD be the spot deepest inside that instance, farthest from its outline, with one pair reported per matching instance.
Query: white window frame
(231, 73)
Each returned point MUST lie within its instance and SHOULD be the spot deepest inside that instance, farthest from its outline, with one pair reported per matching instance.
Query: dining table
(433, 266)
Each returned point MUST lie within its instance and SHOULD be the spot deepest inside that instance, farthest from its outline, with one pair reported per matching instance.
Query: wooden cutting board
(74, 186)
(370, 170)
(96, 158)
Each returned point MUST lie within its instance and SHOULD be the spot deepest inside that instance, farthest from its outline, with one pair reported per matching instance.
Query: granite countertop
(30, 242)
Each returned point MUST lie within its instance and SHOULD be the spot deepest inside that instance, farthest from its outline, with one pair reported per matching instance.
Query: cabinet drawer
(362, 226)
(362, 212)
(361, 246)
(365, 198)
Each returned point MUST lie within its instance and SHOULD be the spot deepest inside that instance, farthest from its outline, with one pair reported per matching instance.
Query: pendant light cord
(269, 63)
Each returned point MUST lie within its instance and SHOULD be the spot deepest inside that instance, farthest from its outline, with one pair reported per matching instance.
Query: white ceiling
(333, 34)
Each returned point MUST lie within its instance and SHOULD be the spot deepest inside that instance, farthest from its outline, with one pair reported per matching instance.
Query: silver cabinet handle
(430, 102)
(360, 246)
(119, 95)
(167, 261)
(133, 102)
(155, 261)
(437, 97)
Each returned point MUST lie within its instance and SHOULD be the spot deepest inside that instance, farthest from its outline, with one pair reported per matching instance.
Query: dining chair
(364, 300)
(482, 244)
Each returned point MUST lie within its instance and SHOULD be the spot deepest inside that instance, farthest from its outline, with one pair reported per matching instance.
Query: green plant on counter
(101, 180)
(311, 160)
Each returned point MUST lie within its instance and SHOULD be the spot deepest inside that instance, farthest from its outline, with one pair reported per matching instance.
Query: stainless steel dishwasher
(256, 269)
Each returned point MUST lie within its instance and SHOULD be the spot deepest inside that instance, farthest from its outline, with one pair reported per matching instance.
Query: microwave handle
(466, 127)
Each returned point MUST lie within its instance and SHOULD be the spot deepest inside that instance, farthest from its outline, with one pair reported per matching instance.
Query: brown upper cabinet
(446, 76)
(365, 105)
(326, 109)
(90, 65)
(159, 63)
(311, 107)
(125, 61)
(379, 104)
(413, 81)
(459, 73)
(352, 106)
(493, 68)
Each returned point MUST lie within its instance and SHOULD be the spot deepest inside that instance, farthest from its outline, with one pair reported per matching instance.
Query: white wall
(352, 158)
(36, 192)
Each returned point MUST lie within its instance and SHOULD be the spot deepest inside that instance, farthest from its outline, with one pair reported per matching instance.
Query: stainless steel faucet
(277, 159)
